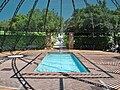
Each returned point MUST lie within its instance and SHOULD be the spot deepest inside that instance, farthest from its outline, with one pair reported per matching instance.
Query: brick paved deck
(100, 64)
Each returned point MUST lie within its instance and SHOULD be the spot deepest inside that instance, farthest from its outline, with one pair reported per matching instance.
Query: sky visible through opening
(8, 11)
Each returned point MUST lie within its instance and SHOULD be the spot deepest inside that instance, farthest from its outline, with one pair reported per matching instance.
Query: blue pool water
(55, 62)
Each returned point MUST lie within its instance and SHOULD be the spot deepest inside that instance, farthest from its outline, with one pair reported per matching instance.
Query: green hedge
(66, 40)
(96, 43)
(118, 39)
(20, 42)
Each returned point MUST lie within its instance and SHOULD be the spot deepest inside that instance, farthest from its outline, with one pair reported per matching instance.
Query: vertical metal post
(48, 40)
(71, 40)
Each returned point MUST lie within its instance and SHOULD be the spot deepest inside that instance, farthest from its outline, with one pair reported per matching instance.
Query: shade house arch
(9, 30)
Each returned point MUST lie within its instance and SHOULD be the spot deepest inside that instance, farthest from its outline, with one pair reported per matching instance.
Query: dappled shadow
(36, 63)
(61, 84)
(85, 81)
(109, 72)
(27, 64)
(97, 66)
(23, 60)
(18, 75)
(117, 57)
(3, 60)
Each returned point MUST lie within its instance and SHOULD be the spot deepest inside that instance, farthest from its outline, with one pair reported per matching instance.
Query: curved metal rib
(31, 13)
(28, 23)
(4, 3)
(21, 79)
(115, 2)
(45, 19)
(73, 3)
(91, 15)
(100, 5)
(61, 5)
(16, 11)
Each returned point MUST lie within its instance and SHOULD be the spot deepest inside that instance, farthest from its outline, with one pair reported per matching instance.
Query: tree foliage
(94, 18)
(36, 22)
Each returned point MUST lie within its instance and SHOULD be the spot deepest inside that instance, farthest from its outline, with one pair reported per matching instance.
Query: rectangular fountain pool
(57, 62)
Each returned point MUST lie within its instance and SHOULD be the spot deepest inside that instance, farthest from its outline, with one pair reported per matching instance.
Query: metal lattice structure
(33, 38)
(4, 3)
(10, 40)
